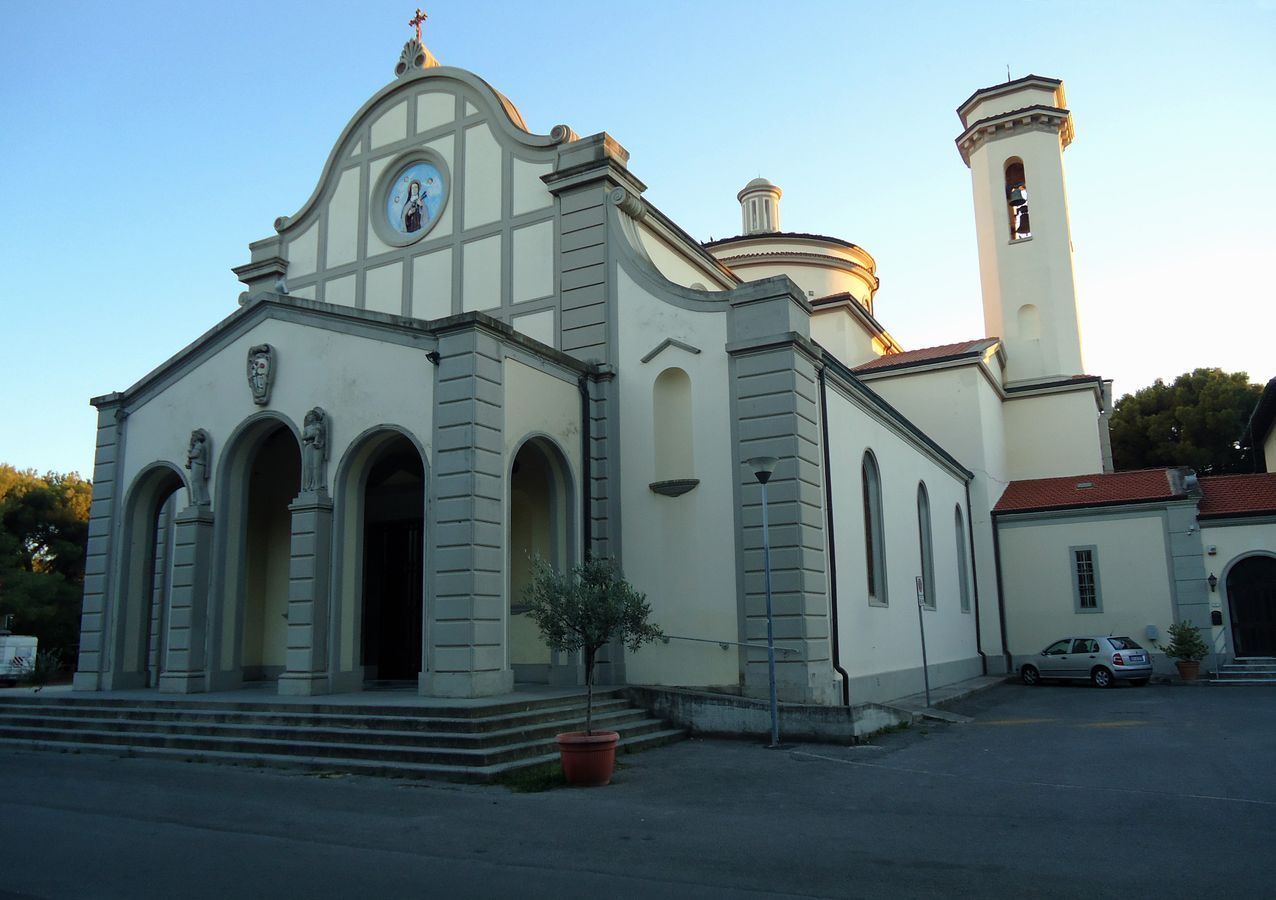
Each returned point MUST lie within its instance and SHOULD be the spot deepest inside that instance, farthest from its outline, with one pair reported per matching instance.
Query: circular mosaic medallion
(414, 199)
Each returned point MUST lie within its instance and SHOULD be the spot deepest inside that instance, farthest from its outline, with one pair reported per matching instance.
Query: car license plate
(1138, 658)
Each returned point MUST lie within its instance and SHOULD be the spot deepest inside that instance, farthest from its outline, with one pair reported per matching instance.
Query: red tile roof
(1086, 490)
(1238, 495)
(927, 354)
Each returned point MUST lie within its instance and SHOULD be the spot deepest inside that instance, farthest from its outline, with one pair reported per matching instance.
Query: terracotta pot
(1189, 669)
(588, 759)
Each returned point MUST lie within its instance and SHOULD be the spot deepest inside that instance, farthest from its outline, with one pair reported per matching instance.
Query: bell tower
(1014, 138)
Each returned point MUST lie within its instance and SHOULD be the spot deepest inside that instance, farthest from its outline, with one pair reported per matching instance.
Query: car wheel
(1101, 677)
(1030, 675)
(1138, 682)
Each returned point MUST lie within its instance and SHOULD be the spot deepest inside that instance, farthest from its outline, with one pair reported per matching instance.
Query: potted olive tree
(1187, 648)
(584, 609)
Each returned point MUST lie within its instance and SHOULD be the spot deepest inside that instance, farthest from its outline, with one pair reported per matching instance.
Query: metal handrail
(723, 644)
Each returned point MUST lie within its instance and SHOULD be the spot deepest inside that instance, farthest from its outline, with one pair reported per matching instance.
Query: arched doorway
(274, 480)
(146, 578)
(1251, 600)
(393, 579)
(540, 524)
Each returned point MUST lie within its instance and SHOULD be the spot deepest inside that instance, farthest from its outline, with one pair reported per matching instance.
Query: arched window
(963, 564)
(1017, 199)
(927, 551)
(874, 532)
(671, 421)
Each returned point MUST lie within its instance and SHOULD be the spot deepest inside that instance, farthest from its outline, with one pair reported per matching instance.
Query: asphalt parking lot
(1053, 791)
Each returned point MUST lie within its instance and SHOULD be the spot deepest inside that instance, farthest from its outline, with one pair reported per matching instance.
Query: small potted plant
(1187, 648)
(584, 609)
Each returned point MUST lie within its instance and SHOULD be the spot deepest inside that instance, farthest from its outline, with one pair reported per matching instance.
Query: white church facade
(473, 344)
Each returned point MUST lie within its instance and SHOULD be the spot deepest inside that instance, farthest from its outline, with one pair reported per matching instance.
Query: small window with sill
(1086, 597)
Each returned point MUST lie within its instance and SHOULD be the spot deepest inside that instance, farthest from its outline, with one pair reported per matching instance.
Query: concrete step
(1268, 681)
(424, 753)
(612, 718)
(199, 714)
(350, 765)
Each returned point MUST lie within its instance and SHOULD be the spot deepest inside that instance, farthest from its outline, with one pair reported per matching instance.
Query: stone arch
(370, 449)
(138, 612)
(239, 556)
(1249, 592)
(541, 521)
(1029, 319)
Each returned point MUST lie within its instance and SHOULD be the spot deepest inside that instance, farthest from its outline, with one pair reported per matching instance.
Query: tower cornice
(1030, 118)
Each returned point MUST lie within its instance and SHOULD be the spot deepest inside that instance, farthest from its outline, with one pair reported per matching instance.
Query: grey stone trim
(261, 275)
(1098, 513)
(603, 528)
(309, 590)
(665, 345)
(675, 487)
(103, 523)
(469, 84)
(1264, 518)
(668, 231)
(1186, 560)
(774, 395)
(467, 653)
(185, 669)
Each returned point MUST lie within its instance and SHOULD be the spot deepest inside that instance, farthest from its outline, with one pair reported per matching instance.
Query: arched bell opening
(143, 599)
(540, 525)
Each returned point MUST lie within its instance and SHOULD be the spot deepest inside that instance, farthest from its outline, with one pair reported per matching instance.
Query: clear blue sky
(145, 144)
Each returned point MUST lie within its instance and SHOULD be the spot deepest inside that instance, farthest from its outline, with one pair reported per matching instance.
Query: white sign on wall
(921, 591)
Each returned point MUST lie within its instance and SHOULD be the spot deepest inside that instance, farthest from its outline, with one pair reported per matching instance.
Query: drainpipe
(586, 476)
(974, 577)
(1001, 596)
(832, 546)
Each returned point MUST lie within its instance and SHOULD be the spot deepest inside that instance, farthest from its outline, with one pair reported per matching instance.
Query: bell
(1022, 228)
(1018, 197)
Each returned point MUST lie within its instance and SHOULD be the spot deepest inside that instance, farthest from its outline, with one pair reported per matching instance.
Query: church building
(473, 344)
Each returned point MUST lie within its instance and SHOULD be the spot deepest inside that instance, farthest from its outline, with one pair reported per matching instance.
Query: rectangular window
(1085, 579)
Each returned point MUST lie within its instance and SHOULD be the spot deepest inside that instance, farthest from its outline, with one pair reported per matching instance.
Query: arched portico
(541, 523)
(259, 476)
(380, 597)
(140, 611)
(1250, 590)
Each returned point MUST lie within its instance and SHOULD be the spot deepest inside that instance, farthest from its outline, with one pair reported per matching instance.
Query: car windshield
(1123, 643)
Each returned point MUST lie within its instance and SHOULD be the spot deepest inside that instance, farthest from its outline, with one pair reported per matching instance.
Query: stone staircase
(1247, 670)
(438, 740)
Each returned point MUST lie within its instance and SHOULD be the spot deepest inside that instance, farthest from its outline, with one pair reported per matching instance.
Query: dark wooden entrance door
(1251, 595)
(392, 585)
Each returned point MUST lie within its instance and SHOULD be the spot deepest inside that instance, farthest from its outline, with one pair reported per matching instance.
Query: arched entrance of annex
(142, 614)
(260, 476)
(1251, 603)
(540, 525)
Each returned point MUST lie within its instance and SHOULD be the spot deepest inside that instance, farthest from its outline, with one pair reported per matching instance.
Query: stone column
(466, 627)
(185, 663)
(309, 581)
(775, 404)
(93, 659)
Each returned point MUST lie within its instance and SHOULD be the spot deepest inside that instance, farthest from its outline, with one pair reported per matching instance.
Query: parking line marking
(1016, 721)
(1128, 723)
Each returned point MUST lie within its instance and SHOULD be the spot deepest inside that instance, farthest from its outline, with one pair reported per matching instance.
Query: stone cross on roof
(417, 21)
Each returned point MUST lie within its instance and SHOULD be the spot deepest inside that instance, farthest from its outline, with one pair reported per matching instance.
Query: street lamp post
(762, 467)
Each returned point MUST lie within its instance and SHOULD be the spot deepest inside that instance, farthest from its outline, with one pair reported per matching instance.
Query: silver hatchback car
(1103, 660)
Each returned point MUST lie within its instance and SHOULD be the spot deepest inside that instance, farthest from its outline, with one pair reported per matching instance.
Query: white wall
(881, 645)
(1053, 434)
(680, 551)
(680, 268)
(1036, 570)
(842, 334)
(359, 381)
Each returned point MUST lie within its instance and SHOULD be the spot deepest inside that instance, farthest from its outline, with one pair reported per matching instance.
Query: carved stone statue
(261, 372)
(198, 457)
(314, 450)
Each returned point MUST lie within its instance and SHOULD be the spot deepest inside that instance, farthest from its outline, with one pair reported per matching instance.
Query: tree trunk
(589, 690)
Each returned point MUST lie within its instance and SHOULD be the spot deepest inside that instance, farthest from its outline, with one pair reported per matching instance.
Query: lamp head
(762, 467)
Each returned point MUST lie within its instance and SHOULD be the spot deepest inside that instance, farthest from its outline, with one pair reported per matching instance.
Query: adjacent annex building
(473, 344)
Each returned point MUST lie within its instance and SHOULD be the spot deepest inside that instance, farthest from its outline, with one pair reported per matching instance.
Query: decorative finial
(417, 21)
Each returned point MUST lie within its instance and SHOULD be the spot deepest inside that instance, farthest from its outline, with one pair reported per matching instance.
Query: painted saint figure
(197, 459)
(314, 450)
(414, 208)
